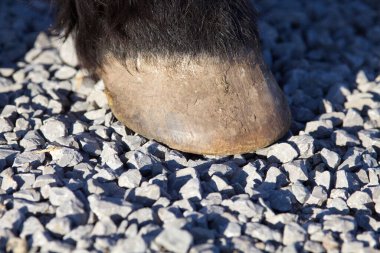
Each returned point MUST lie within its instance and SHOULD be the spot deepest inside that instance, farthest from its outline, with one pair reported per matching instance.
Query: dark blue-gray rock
(281, 200)
(6, 157)
(67, 141)
(338, 93)
(353, 159)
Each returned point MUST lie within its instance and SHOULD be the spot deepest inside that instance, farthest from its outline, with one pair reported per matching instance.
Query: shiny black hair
(128, 28)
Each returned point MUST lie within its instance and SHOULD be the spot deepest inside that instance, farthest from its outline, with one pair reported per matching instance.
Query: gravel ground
(73, 179)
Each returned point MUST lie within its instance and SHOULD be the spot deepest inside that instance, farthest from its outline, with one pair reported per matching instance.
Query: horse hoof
(199, 105)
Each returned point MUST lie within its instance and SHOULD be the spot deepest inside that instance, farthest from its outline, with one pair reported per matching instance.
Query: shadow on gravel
(21, 21)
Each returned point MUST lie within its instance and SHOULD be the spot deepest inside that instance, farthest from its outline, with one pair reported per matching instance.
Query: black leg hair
(224, 29)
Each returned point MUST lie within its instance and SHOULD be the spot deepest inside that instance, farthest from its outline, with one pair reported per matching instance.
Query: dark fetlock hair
(127, 28)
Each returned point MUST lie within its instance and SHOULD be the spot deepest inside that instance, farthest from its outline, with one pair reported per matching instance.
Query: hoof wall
(200, 107)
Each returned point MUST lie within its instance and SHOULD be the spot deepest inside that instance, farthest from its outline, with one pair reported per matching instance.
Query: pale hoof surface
(200, 106)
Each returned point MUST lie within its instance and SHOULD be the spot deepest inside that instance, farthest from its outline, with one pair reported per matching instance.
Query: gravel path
(73, 179)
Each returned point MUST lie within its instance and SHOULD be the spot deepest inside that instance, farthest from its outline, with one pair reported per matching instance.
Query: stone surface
(262, 232)
(297, 170)
(130, 179)
(330, 158)
(343, 138)
(106, 207)
(174, 240)
(74, 179)
(293, 233)
(53, 129)
(282, 152)
(65, 73)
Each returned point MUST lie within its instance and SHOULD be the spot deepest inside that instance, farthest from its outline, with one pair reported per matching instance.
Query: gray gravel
(74, 179)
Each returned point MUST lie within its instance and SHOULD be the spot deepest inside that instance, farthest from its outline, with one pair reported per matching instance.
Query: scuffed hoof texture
(199, 106)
